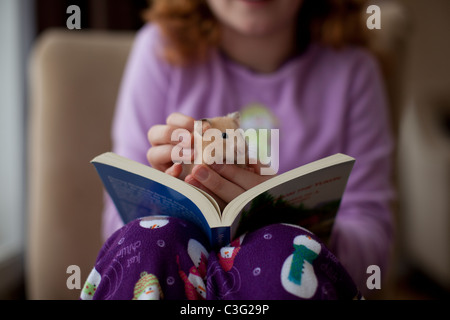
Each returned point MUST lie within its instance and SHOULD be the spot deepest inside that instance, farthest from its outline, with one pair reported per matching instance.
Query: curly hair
(191, 29)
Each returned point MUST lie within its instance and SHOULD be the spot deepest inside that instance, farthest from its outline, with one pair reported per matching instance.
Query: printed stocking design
(147, 288)
(91, 285)
(194, 286)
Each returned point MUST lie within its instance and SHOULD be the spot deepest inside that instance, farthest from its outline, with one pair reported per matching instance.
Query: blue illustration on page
(136, 197)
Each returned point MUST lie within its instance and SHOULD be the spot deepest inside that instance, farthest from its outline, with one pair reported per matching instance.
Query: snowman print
(91, 285)
(147, 288)
(297, 274)
(154, 222)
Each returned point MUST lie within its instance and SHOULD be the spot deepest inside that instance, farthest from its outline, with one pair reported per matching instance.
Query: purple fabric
(168, 258)
(323, 102)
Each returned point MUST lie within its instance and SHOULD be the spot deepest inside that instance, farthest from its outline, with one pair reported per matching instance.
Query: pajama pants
(168, 258)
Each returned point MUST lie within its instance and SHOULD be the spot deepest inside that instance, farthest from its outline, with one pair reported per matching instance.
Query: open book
(308, 196)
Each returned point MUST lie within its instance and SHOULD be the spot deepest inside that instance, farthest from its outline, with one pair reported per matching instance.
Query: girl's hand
(225, 181)
(160, 153)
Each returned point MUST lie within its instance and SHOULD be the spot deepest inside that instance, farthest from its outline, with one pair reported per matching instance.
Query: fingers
(168, 134)
(164, 138)
(175, 170)
(226, 181)
(179, 120)
(191, 180)
(160, 157)
(162, 134)
(245, 178)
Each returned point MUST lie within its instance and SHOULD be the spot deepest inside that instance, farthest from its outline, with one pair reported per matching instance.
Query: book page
(309, 198)
(139, 197)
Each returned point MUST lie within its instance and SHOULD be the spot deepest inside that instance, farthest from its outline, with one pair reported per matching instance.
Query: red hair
(191, 28)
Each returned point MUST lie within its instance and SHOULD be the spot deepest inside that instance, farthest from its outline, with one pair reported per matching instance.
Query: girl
(295, 65)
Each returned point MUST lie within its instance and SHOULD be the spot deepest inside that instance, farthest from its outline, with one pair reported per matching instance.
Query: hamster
(208, 144)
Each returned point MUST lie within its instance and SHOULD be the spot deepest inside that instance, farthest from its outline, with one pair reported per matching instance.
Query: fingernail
(201, 173)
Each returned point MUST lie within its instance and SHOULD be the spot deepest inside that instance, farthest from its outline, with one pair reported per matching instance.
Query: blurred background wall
(16, 36)
(424, 145)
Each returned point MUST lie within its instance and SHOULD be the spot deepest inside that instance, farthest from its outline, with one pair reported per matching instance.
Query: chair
(74, 79)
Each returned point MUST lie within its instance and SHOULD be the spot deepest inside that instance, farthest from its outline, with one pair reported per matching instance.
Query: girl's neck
(262, 54)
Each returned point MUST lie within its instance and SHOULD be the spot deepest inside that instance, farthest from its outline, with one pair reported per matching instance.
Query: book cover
(308, 196)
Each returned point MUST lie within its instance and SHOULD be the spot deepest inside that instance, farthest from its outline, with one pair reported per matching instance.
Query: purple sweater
(323, 102)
